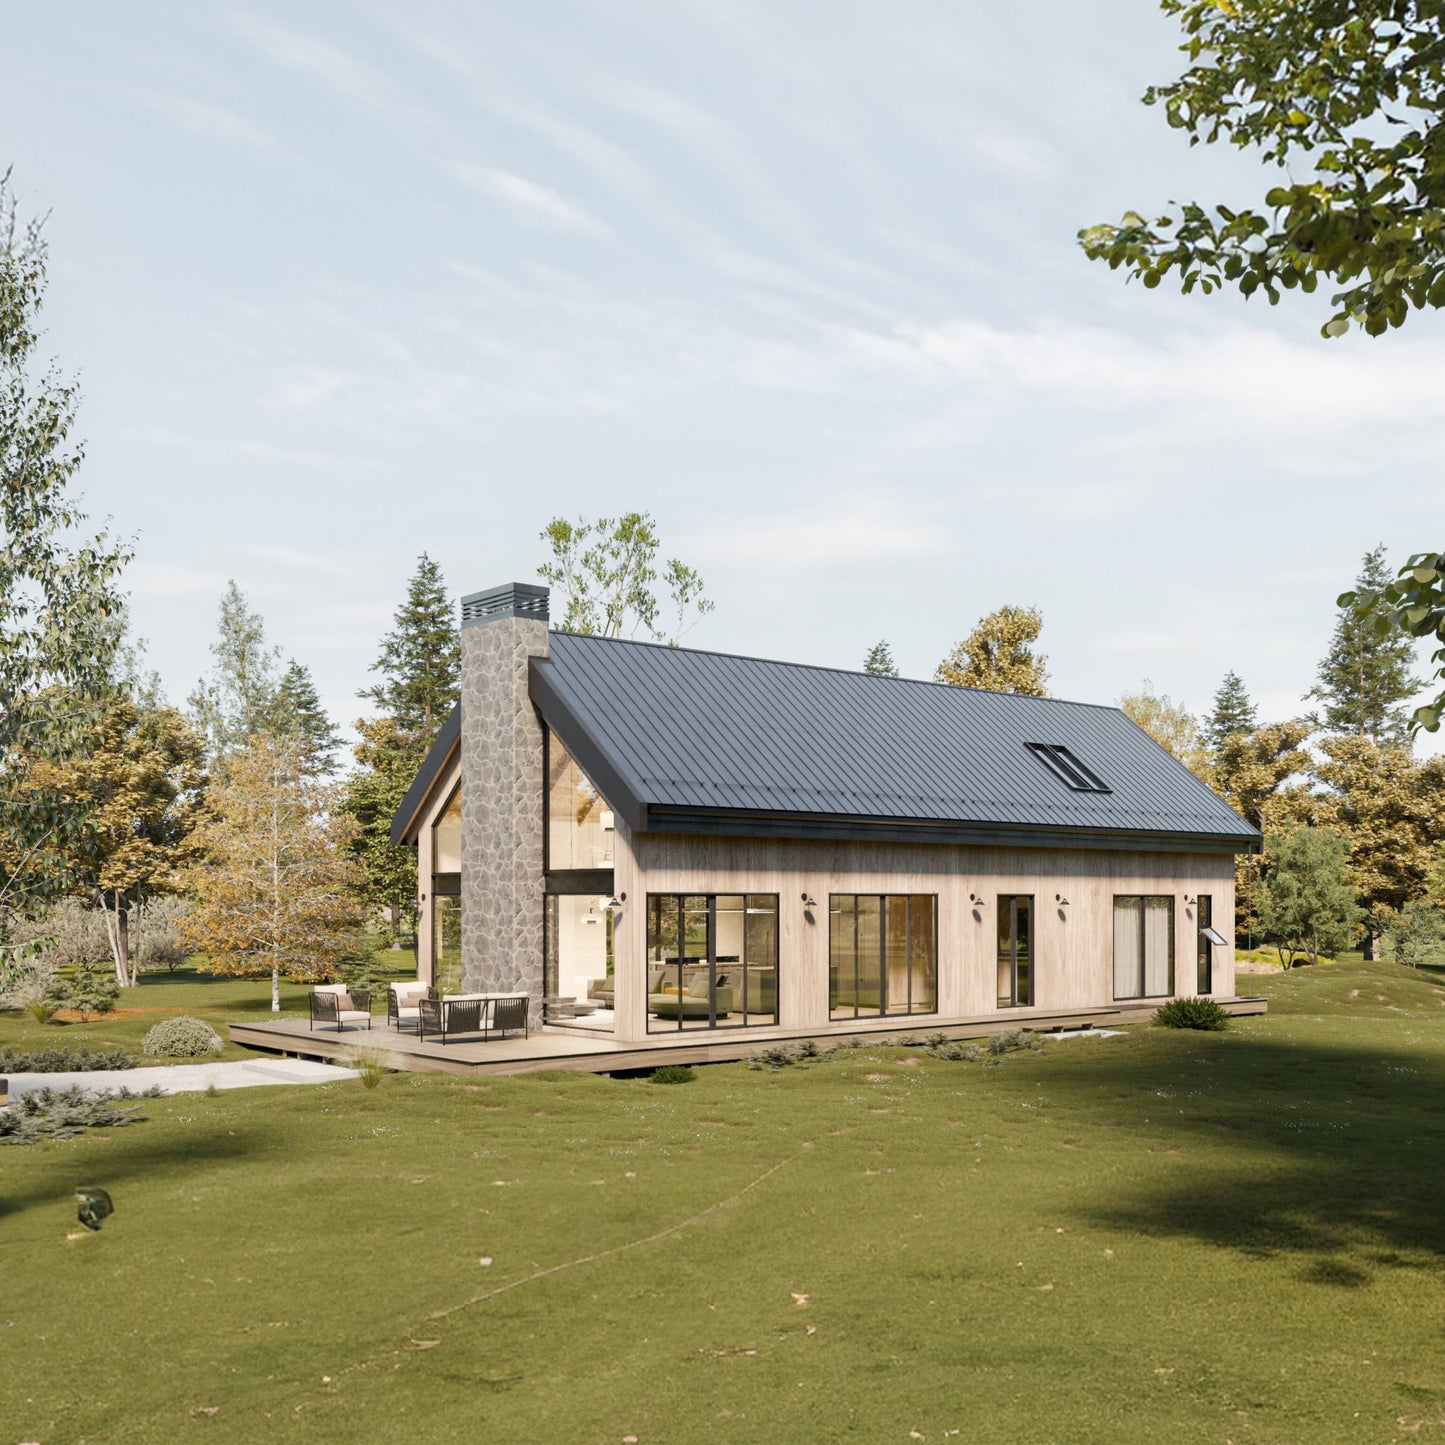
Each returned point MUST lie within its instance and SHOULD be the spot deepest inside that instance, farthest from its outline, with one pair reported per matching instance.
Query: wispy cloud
(302, 387)
(210, 121)
(528, 201)
(302, 54)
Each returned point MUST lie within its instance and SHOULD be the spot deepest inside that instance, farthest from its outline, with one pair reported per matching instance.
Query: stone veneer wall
(501, 770)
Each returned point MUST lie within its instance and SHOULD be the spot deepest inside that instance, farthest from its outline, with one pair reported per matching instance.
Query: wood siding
(1073, 944)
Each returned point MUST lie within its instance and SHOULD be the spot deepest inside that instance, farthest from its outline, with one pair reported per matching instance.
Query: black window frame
(742, 964)
(884, 1011)
(1204, 957)
(1143, 966)
(1012, 901)
(1068, 768)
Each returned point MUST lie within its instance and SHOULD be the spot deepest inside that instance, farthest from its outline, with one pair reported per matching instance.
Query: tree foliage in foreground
(1414, 603)
(277, 891)
(998, 655)
(607, 575)
(58, 585)
(1309, 903)
(1347, 99)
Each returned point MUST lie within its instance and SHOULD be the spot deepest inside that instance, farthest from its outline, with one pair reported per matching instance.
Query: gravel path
(189, 1078)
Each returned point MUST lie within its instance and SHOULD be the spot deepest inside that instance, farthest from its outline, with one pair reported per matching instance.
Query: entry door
(1015, 951)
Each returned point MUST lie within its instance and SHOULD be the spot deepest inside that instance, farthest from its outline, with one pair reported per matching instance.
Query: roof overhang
(404, 821)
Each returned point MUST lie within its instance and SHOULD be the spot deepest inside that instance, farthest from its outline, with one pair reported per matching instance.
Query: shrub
(182, 1038)
(673, 1074)
(1191, 1013)
(1010, 1041)
(153, 934)
(953, 1051)
(63, 1061)
(89, 990)
(64, 1113)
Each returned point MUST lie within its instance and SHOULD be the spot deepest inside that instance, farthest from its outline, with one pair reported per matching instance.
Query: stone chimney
(503, 628)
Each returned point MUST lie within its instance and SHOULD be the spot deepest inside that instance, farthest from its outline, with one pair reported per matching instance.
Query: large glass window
(712, 960)
(882, 954)
(579, 973)
(1143, 947)
(1015, 951)
(579, 822)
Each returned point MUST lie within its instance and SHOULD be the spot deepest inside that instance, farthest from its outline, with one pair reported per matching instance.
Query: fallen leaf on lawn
(812, 1329)
(423, 1344)
(799, 1299)
(485, 1261)
(206, 1410)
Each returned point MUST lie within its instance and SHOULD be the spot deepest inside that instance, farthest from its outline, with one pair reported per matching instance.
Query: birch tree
(276, 893)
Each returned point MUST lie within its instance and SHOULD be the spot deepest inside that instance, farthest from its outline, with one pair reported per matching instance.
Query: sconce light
(1061, 900)
(1191, 901)
(809, 902)
(976, 899)
(616, 902)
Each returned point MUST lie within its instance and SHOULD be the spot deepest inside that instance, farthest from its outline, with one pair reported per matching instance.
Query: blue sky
(347, 282)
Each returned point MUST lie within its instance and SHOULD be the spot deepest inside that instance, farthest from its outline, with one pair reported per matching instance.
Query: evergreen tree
(295, 711)
(880, 661)
(1232, 714)
(421, 657)
(1366, 674)
(236, 700)
(388, 759)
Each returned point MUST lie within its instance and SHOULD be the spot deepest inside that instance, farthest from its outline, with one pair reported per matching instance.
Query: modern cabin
(657, 843)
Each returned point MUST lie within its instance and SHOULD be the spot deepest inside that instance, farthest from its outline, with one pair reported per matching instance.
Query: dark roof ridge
(822, 667)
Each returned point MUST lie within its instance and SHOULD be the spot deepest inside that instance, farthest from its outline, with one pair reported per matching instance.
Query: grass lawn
(1161, 1237)
(217, 1000)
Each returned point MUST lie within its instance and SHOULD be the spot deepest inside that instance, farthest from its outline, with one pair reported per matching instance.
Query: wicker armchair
(402, 1004)
(335, 1004)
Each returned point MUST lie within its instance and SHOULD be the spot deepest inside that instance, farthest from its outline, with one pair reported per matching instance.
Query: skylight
(1067, 768)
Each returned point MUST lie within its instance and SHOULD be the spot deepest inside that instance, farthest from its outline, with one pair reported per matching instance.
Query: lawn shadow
(1331, 1153)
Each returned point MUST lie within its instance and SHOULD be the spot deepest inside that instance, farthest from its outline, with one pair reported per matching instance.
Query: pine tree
(1233, 713)
(236, 700)
(880, 661)
(1366, 674)
(295, 711)
(388, 759)
(421, 658)
(998, 655)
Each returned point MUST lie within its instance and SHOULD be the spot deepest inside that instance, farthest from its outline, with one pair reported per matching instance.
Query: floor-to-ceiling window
(882, 954)
(712, 960)
(579, 973)
(446, 902)
(1015, 951)
(1143, 947)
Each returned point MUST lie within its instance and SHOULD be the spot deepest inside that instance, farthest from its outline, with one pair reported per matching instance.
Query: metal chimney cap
(511, 599)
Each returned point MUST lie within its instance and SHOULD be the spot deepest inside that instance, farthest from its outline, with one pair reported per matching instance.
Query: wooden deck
(592, 1052)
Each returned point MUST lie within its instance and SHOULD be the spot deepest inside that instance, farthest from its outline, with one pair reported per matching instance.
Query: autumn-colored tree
(277, 890)
(135, 782)
(388, 757)
(1247, 769)
(1169, 723)
(998, 655)
(1389, 807)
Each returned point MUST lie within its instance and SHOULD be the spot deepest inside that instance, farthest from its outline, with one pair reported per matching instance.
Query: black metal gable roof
(686, 741)
(432, 764)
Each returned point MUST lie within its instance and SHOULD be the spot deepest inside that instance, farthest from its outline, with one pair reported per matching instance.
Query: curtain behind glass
(1127, 945)
(1158, 946)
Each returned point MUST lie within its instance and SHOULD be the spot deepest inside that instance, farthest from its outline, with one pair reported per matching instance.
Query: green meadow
(1159, 1236)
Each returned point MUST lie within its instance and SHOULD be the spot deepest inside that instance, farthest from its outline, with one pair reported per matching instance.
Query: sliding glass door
(712, 960)
(882, 954)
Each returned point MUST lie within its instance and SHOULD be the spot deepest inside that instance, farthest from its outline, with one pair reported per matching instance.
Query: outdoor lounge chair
(333, 1003)
(401, 1004)
(508, 1014)
(447, 1016)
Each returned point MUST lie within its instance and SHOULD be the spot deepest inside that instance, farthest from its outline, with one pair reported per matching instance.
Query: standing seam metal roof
(702, 731)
